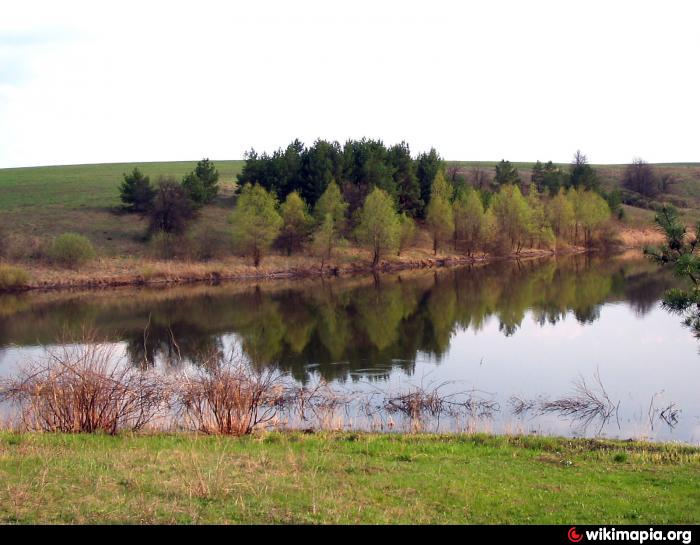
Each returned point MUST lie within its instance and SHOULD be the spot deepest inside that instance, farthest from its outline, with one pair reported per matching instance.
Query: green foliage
(679, 251)
(331, 202)
(553, 178)
(560, 214)
(428, 165)
(439, 216)
(12, 277)
(408, 189)
(537, 176)
(506, 174)
(172, 209)
(296, 222)
(379, 225)
(540, 232)
(325, 239)
(202, 185)
(513, 216)
(470, 221)
(441, 187)
(136, 192)
(71, 250)
(591, 212)
(359, 166)
(255, 221)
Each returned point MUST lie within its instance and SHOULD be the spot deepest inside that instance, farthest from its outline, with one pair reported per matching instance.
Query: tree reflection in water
(341, 328)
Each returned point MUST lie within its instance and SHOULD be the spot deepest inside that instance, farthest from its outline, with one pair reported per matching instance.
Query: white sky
(89, 82)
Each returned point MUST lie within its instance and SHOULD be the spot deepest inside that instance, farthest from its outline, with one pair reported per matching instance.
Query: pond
(569, 346)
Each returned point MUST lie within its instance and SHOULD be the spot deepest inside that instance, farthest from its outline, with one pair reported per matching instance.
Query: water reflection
(340, 329)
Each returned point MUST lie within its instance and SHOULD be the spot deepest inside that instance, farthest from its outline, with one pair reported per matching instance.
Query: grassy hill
(38, 203)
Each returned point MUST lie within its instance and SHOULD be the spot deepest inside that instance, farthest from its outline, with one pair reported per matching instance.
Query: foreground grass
(344, 478)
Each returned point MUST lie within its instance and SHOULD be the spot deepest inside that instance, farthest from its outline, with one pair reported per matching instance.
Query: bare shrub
(319, 403)
(420, 403)
(585, 405)
(520, 406)
(229, 397)
(85, 388)
(670, 414)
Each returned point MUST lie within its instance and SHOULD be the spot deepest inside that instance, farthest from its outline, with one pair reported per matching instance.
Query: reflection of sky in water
(639, 355)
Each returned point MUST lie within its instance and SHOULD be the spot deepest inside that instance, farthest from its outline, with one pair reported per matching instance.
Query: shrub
(168, 246)
(85, 389)
(71, 250)
(209, 244)
(229, 397)
(12, 277)
(172, 210)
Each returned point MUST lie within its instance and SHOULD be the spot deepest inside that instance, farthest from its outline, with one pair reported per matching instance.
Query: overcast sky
(90, 82)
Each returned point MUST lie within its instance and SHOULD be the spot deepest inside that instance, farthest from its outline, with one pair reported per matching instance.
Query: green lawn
(344, 478)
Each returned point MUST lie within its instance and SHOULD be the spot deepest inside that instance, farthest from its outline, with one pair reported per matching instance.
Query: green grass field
(344, 478)
(87, 186)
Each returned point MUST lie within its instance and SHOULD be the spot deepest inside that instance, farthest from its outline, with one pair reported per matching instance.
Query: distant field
(79, 186)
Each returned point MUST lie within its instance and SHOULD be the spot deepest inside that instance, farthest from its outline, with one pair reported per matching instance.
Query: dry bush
(318, 404)
(229, 397)
(207, 244)
(85, 388)
(586, 405)
(422, 403)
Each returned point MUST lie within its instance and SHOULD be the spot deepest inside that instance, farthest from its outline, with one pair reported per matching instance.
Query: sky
(125, 81)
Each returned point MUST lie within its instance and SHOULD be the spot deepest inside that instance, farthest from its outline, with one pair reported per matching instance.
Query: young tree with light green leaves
(379, 226)
(439, 214)
(331, 202)
(594, 212)
(470, 221)
(560, 214)
(325, 238)
(513, 216)
(296, 222)
(541, 233)
(255, 221)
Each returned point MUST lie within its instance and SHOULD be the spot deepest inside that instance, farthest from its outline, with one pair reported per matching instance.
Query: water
(515, 334)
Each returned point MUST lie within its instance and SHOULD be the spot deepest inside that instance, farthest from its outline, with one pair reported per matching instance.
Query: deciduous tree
(379, 226)
(296, 222)
(255, 221)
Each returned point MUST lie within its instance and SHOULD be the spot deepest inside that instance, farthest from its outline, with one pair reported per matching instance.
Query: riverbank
(126, 271)
(344, 478)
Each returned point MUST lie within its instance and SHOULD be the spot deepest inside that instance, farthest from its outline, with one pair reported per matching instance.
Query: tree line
(293, 199)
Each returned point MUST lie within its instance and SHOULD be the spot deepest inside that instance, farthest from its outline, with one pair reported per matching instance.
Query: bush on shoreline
(71, 250)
